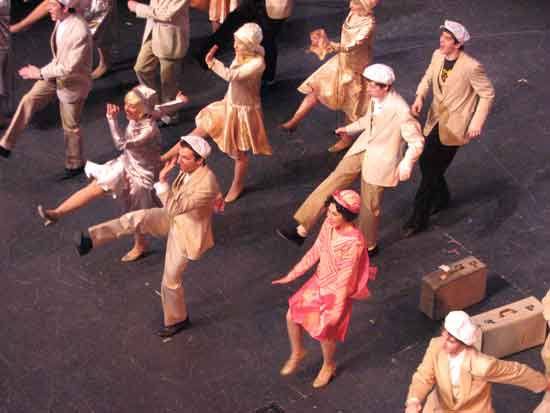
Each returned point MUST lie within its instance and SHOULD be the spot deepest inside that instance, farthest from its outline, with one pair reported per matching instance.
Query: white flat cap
(458, 31)
(460, 326)
(198, 144)
(379, 73)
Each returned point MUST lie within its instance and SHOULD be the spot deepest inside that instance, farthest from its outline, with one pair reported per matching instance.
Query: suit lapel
(447, 88)
(381, 120)
(444, 378)
(437, 75)
(52, 40)
(465, 377)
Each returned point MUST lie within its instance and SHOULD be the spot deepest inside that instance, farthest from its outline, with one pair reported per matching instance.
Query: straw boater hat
(458, 31)
(379, 73)
(349, 199)
(459, 325)
(250, 34)
(198, 144)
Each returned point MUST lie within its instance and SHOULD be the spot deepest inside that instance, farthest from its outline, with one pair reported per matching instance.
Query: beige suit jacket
(465, 98)
(71, 66)
(279, 9)
(167, 25)
(478, 371)
(383, 141)
(190, 206)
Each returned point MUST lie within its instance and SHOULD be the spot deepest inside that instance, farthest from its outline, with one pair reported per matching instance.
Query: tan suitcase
(453, 287)
(511, 328)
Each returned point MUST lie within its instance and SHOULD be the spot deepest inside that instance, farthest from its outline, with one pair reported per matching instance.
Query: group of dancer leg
(385, 139)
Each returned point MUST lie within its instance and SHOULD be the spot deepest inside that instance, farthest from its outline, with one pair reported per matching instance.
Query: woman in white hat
(322, 307)
(461, 375)
(338, 83)
(236, 123)
(129, 177)
(101, 16)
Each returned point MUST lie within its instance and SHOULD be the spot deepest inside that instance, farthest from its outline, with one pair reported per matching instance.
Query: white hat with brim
(198, 144)
(457, 30)
(380, 73)
(460, 326)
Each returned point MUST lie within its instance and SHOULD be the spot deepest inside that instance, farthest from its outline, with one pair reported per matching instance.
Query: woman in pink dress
(322, 306)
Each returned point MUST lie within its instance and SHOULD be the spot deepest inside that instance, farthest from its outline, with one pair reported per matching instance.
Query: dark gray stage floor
(77, 333)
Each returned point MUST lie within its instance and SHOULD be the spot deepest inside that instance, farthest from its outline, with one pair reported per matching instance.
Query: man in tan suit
(185, 220)
(461, 376)
(377, 155)
(462, 98)
(68, 76)
(165, 42)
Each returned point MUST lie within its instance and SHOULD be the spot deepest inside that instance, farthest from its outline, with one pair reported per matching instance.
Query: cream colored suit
(186, 222)
(464, 98)
(478, 371)
(165, 42)
(376, 155)
(69, 76)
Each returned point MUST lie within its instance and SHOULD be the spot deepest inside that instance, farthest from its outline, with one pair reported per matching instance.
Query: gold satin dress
(236, 123)
(338, 84)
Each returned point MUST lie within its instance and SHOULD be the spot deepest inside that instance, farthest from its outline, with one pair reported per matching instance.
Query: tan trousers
(342, 177)
(545, 354)
(146, 71)
(42, 93)
(155, 222)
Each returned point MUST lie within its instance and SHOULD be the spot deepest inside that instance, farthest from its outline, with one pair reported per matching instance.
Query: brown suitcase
(457, 286)
(511, 328)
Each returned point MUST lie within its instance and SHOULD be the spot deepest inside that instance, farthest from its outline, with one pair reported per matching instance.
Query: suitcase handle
(502, 313)
(452, 269)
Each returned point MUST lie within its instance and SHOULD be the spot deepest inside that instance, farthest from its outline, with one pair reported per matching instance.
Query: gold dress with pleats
(236, 123)
(338, 83)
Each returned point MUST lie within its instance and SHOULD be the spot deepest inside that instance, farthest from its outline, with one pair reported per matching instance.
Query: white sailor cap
(457, 30)
(198, 144)
(380, 73)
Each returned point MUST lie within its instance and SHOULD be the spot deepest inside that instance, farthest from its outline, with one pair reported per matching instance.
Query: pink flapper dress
(323, 305)
(236, 123)
(338, 84)
(131, 176)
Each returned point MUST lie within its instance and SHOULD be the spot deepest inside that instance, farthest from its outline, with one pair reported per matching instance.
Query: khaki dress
(236, 123)
(338, 84)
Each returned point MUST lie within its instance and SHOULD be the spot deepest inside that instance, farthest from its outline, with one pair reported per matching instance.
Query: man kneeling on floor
(185, 220)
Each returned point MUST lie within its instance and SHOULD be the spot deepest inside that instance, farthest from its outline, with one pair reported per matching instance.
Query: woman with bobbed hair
(322, 307)
(236, 123)
(338, 83)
